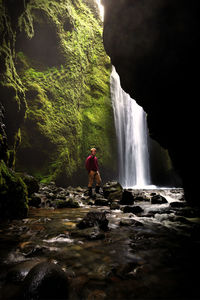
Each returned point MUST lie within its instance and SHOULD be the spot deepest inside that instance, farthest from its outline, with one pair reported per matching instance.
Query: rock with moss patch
(13, 194)
(31, 183)
(94, 218)
(112, 190)
(68, 203)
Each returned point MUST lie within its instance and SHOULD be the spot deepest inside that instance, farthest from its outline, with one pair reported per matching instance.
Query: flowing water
(154, 260)
(132, 137)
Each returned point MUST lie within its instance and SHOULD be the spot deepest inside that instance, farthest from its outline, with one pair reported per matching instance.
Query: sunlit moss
(69, 107)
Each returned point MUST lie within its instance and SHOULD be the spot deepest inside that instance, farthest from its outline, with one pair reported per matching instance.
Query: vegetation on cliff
(65, 71)
(55, 89)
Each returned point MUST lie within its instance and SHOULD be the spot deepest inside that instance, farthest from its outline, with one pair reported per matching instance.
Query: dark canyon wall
(154, 45)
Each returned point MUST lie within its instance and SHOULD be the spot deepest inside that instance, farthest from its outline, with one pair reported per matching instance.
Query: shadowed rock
(94, 218)
(46, 281)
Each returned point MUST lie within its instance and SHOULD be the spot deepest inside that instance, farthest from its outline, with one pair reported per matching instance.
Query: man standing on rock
(92, 167)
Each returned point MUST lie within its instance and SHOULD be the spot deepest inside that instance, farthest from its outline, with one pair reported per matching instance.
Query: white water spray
(132, 137)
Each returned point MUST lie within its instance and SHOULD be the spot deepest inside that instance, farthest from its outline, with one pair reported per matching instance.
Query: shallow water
(154, 261)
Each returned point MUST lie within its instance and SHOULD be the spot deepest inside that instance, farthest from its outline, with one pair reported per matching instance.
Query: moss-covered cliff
(55, 88)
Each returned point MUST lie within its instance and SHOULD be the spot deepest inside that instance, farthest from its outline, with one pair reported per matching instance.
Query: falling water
(132, 137)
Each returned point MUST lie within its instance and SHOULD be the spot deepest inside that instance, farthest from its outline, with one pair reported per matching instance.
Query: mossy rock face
(55, 89)
(65, 71)
(13, 194)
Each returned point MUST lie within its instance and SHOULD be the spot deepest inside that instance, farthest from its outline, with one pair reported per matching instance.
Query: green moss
(13, 194)
(69, 106)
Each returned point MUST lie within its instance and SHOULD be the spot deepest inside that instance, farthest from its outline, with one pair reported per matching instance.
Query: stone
(112, 190)
(69, 203)
(101, 202)
(127, 198)
(31, 183)
(35, 200)
(158, 199)
(94, 218)
(46, 281)
(178, 204)
(114, 205)
(132, 209)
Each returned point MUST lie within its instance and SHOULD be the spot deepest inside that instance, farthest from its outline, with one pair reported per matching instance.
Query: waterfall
(132, 137)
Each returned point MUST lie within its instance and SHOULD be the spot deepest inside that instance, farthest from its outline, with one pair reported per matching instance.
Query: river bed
(155, 258)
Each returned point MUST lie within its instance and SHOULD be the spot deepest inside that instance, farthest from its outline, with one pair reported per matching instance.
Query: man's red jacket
(91, 163)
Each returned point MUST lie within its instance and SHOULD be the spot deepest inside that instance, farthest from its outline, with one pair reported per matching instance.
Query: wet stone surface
(117, 254)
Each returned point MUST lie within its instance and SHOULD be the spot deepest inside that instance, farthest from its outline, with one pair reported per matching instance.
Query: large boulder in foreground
(13, 194)
(46, 281)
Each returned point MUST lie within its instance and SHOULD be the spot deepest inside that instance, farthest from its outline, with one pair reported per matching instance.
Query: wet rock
(188, 212)
(69, 203)
(130, 222)
(112, 190)
(36, 251)
(122, 271)
(94, 218)
(80, 189)
(177, 204)
(127, 198)
(141, 198)
(31, 183)
(91, 202)
(62, 195)
(158, 199)
(114, 205)
(132, 209)
(46, 281)
(101, 202)
(35, 200)
(92, 233)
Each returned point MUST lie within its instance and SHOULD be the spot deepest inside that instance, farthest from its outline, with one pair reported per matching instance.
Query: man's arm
(87, 164)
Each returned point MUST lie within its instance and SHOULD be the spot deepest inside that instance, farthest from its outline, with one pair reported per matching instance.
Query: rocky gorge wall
(56, 96)
(54, 90)
(154, 46)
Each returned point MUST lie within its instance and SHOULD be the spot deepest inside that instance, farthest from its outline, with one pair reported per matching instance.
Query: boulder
(46, 281)
(178, 204)
(133, 209)
(13, 194)
(69, 203)
(112, 190)
(158, 199)
(94, 218)
(127, 198)
(31, 183)
(35, 200)
(114, 205)
(101, 202)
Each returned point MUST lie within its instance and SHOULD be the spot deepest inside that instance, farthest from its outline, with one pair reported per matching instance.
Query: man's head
(93, 151)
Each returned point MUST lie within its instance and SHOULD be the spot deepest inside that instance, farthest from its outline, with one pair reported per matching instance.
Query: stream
(148, 255)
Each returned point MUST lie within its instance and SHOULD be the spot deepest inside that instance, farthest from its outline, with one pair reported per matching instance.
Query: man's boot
(97, 189)
(90, 191)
